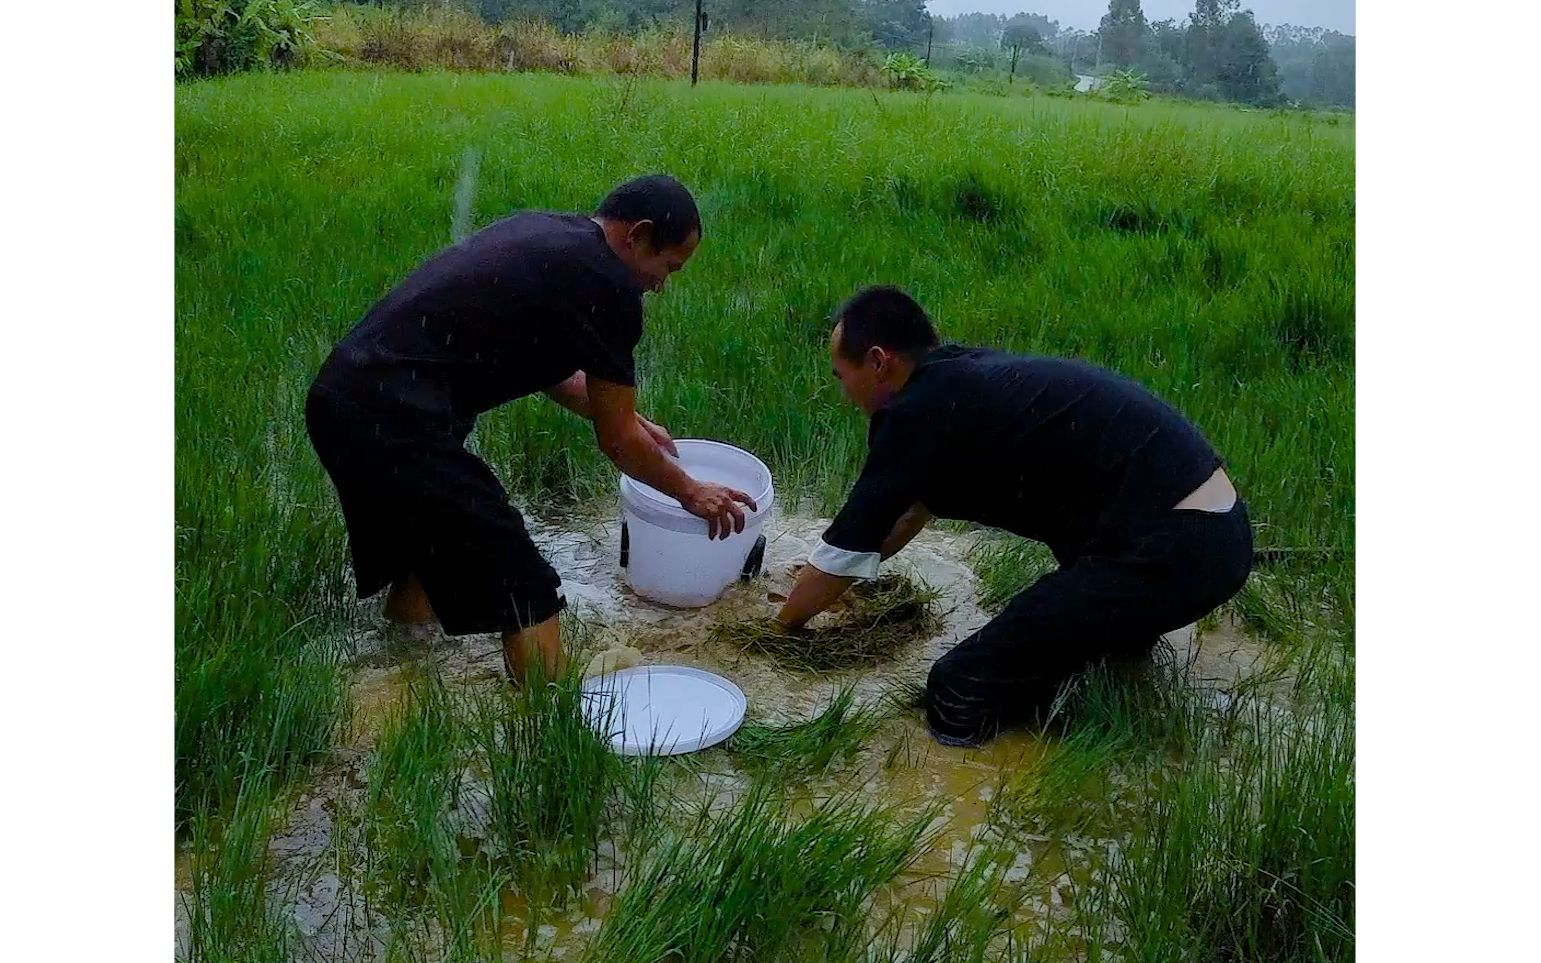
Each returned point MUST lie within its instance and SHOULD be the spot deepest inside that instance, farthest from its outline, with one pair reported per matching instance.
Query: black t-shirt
(1051, 449)
(511, 310)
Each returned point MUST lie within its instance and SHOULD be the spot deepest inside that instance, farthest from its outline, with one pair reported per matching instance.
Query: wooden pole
(695, 49)
(930, 30)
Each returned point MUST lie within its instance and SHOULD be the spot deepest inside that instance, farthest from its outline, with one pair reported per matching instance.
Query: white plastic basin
(670, 558)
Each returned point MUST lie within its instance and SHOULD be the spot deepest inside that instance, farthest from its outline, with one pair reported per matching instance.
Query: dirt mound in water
(874, 621)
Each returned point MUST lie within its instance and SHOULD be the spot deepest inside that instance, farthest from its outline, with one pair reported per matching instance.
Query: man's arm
(626, 442)
(817, 590)
(905, 529)
(573, 394)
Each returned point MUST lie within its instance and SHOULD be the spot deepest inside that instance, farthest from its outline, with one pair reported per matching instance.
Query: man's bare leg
(540, 645)
(407, 603)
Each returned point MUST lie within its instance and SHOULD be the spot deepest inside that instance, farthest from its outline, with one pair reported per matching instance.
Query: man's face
(864, 382)
(651, 266)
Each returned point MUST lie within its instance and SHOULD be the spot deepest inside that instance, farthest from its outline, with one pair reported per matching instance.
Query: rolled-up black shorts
(416, 501)
(1113, 601)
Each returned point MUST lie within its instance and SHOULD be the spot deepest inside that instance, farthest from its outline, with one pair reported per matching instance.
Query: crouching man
(1149, 533)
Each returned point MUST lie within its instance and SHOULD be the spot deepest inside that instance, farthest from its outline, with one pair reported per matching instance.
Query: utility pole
(930, 31)
(695, 49)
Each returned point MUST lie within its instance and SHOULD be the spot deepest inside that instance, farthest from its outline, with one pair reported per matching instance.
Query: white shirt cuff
(837, 561)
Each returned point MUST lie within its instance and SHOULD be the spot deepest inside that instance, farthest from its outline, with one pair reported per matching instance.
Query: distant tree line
(1316, 66)
(1218, 52)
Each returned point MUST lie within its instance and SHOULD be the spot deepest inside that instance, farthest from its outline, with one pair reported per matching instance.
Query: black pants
(1114, 601)
(416, 501)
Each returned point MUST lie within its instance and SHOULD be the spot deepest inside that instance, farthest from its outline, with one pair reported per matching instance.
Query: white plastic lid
(662, 710)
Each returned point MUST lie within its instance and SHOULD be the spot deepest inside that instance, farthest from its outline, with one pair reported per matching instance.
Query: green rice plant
(758, 882)
(970, 924)
(549, 785)
(433, 890)
(1144, 707)
(1109, 720)
(803, 750)
(414, 783)
(230, 915)
(880, 616)
(1065, 789)
(466, 896)
(255, 696)
(1240, 854)
(259, 597)
(1006, 566)
(1265, 606)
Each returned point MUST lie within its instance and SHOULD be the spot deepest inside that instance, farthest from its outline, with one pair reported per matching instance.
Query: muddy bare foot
(407, 603)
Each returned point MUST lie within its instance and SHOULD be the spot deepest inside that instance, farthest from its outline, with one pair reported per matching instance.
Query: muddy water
(901, 766)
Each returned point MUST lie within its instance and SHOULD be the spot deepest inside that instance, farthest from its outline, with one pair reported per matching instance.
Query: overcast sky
(1084, 14)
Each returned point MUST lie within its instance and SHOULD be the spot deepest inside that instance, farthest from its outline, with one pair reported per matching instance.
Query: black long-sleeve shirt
(1052, 449)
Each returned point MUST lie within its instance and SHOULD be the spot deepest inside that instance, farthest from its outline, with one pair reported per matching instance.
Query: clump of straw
(880, 616)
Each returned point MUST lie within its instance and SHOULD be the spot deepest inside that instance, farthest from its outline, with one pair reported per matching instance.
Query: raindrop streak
(465, 195)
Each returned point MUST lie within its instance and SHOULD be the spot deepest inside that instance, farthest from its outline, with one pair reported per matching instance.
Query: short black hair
(884, 316)
(658, 198)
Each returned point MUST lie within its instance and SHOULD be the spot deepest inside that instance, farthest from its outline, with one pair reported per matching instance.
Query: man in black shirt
(535, 302)
(1148, 530)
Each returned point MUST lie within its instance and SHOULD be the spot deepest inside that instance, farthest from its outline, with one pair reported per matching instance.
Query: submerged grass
(229, 915)
(414, 780)
(881, 616)
(1241, 854)
(807, 749)
(971, 922)
(480, 794)
(550, 785)
(759, 882)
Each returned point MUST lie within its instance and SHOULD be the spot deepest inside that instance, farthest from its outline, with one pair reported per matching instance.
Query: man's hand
(659, 435)
(814, 592)
(628, 439)
(719, 505)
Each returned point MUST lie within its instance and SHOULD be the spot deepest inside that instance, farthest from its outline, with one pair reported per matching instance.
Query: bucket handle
(755, 561)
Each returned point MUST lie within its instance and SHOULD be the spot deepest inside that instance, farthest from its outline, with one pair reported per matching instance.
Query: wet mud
(900, 766)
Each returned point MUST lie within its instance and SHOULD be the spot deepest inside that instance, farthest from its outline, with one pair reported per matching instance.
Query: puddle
(901, 764)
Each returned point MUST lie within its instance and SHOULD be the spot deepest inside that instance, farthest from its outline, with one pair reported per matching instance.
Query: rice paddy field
(343, 795)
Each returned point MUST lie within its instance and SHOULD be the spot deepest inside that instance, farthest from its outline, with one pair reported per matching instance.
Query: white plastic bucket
(669, 557)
